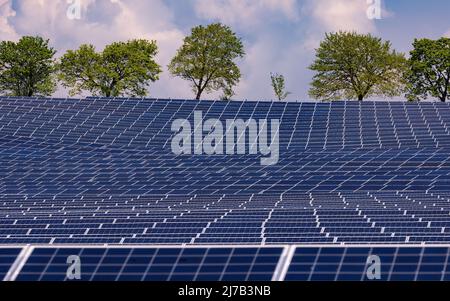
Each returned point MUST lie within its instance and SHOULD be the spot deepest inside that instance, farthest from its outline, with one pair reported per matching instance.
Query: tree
(278, 85)
(27, 67)
(206, 58)
(429, 73)
(355, 66)
(123, 68)
(227, 94)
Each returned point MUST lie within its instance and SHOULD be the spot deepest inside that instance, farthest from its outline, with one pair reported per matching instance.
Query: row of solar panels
(333, 218)
(140, 123)
(225, 264)
(75, 171)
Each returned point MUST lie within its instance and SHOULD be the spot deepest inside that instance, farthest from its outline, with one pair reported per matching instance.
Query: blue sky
(279, 35)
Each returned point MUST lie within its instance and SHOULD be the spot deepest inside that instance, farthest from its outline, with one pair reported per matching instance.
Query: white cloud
(335, 15)
(7, 32)
(248, 13)
(265, 56)
(447, 34)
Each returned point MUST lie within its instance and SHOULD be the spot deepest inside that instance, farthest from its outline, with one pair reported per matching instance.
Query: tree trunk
(199, 94)
(360, 97)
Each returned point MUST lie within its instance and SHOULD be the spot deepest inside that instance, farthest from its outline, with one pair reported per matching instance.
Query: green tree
(27, 67)
(278, 85)
(206, 58)
(355, 66)
(123, 68)
(429, 73)
(227, 94)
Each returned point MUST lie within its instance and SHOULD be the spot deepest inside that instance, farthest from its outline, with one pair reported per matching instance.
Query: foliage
(27, 67)
(355, 66)
(123, 68)
(206, 59)
(429, 69)
(278, 85)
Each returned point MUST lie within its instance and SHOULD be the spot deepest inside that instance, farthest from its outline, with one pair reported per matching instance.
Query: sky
(280, 36)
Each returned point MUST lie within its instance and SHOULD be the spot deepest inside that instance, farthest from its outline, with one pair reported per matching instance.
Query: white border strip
(207, 246)
(284, 263)
(18, 264)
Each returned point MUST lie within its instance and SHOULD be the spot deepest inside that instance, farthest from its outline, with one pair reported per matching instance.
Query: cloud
(335, 15)
(265, 56)
(7, 32)
(247, 13)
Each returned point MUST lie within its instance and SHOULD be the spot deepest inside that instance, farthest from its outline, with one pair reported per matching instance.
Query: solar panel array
(122, 147)
(101, 171)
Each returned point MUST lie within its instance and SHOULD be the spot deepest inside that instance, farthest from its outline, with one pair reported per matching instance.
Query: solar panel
(7, 258)
(351, 264)
(153, 264)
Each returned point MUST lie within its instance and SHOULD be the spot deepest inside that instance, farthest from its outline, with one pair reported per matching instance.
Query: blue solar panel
(351, 264)
(7, 258)
(152, 264)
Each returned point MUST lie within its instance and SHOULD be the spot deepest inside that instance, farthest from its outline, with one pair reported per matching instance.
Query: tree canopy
(354, 66)
(429, 69)
(206, 59)
(123, 68)
(27, 67)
